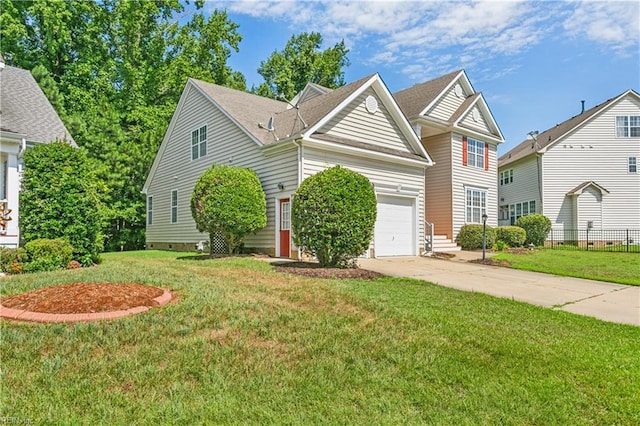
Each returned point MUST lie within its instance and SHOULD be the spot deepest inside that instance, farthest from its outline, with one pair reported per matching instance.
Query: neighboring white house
(581, 173)
(459, 132)
(358, 126)
(26, 118)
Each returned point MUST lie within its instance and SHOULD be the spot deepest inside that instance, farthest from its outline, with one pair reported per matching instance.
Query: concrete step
(443, 244)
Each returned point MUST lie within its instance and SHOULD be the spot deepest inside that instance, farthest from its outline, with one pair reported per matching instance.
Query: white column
(13, 189)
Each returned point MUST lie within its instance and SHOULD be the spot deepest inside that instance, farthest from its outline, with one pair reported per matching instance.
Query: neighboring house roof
(24, 109)
(551, 136)
(412, 101)
(578, 190)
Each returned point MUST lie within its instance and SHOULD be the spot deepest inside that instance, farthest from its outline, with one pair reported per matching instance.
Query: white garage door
(395, 226)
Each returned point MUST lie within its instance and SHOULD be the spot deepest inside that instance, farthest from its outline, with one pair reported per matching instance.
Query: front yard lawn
(615, 267)
(247, 345)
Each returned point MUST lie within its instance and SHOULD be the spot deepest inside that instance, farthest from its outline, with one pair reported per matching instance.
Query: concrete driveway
(606, 301)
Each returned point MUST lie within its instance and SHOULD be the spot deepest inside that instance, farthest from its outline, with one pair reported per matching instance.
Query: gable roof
(414, 100)
(578, 190)
(310, 91)
(25, 110)
(553, 135)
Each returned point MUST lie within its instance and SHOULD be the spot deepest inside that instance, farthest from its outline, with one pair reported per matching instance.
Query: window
(199, 143)
(518, 210)
(633, 165)
(475, 153)
(285, 216)
(506, 177)
(476, 204)
(174, 206)
(628, 126)
(503, 213)
(149, 210)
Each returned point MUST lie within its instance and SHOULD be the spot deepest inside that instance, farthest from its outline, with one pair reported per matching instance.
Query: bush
(470, 237)
(58, 199)
(229, 201)
(11, 259)
(333, 215)
(537, 227)
(48, 255)
(512, 236)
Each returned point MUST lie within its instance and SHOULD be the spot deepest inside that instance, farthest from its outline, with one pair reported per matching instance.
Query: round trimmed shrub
(512, 236)
(537, 227)
(48, 255)
(229, 201)
(470, 237)
(333, 215)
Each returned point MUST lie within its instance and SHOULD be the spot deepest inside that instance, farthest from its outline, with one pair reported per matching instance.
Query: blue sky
(533, 61)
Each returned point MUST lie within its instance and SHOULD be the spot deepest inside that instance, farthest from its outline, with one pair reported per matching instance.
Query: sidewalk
(606, 301)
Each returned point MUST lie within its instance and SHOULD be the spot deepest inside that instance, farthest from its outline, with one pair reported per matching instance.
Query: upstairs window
(174, 206)
(149, 210)
(628, 126)
(475, 153)
(506, 177)
(199, 143)
(633, 165)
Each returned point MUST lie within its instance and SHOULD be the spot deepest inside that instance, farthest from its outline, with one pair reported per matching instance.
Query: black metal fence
(624, 240)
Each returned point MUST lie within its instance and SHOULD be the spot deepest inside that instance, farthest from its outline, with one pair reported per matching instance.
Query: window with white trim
(174, 206)
(475, 153)
(199, 143)
(633, 165)
(518, 210)
(476, 203)
(506, 177)
(150, 210)
(628, 126)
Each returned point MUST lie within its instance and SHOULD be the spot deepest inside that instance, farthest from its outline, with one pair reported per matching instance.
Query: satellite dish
(270, 125)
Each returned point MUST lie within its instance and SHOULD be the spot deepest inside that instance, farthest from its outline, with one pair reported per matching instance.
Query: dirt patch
(314, 270)
(84, 298)
(492, 262)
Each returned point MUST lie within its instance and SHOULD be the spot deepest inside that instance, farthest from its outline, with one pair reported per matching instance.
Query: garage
(394, 233)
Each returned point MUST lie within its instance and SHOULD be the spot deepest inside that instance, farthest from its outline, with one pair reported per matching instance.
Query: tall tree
(115, 70)
(287, 72)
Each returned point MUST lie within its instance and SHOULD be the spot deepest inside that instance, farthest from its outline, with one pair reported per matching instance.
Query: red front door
(285, 228)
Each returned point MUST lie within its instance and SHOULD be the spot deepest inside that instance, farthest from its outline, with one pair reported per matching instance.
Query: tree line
(114, 71)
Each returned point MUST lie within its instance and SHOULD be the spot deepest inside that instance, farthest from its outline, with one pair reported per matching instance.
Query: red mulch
(314, 270)
(84, 298)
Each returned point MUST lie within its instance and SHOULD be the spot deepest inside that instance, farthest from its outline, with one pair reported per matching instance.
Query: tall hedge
(229, 201)
(58, 199)
(537, 227)
(333, 215)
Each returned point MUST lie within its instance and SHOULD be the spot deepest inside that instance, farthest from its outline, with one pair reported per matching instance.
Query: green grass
(616, 267)
(245, 344)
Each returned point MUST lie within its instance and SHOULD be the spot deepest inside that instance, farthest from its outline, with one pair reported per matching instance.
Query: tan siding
(481, 124)
(386, 177)
(467, 176)
(226, 144)
(355, 122)
(525, 185)
(594, 153)
(438, 184)
(447, 104)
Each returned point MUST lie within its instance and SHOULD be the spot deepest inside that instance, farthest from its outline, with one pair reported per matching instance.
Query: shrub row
(38, 255)
(530, 229)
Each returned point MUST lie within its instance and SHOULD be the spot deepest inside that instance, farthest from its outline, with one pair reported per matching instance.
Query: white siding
(226, 144)
(468, 176)
(481, 124)
(387, 178)
(589, 209)
(356, 123)
(525, 186)
(447, 104)
(594, 153)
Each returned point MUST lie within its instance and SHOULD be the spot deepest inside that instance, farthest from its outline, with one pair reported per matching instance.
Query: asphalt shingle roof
(24, 109)
(416, 98)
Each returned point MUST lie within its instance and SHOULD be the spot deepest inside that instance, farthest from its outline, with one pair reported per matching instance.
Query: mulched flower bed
(84, 298)
(314, 270)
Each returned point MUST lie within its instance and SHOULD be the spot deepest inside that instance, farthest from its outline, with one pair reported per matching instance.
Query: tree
(229, 201)
(58, 199)
(333, 215)
(287, 72)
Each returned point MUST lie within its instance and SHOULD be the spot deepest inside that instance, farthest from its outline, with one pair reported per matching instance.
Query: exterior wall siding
(438, 199)
(525, 186)
(226, 144)
(447, 104)
(594, 153)
(388, 179)
(481, 124)
(468, 176)
(355, 122)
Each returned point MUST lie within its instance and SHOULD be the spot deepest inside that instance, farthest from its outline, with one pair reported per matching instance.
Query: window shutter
(486, 156)
(464, 150)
